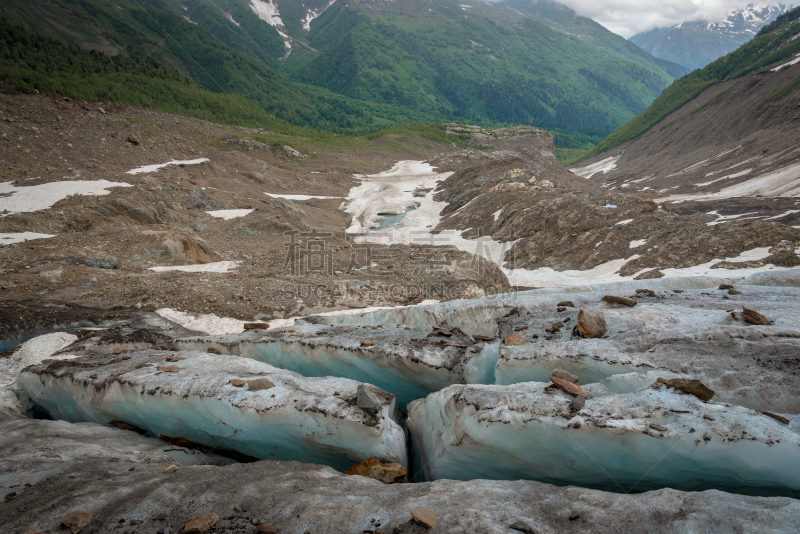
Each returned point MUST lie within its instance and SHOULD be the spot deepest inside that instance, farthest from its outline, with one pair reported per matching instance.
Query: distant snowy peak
(694, 44)
(748, 20)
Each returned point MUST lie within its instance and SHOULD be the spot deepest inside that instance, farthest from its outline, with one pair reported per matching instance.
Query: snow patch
(213, 267)
(21, 237)
(312, 14)
(626, 221)
(637, 243)
(604, 166)
(39, 197)
(297, 197)
(229, 214)
(789, 64)
(154, 168)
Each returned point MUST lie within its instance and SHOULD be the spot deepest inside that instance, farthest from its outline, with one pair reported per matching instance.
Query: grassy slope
(163, 34)
(477, 67)
(772, 44)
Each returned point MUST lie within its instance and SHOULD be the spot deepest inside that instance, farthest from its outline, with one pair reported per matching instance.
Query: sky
(629, 17)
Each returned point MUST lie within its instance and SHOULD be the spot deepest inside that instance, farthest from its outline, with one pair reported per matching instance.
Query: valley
(399, 275)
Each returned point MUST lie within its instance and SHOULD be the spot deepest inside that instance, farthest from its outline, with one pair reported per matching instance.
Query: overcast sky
(628, 17)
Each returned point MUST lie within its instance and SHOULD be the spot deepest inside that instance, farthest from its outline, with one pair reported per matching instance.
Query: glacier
(645, 440)
(190, 395)
(410, 362)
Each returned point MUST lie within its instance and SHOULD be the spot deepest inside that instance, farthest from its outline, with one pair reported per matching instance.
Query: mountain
(695, 44)
(360, 66)
(722, 141)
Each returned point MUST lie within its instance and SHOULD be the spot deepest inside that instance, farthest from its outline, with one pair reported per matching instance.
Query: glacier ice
(304, 419)
(405, 361)
(640, 441)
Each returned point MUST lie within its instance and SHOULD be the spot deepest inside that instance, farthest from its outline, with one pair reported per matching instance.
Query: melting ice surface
(21, 237)
(390, 219)
(312, 420)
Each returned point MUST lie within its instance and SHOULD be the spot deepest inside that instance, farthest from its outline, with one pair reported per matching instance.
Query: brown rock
(442, 332)
(734, 292)
(237, 382)
(386, 472)
(478, 337)
(648, 292)
(648, 275)
(266, 528)
(424, 517)
(565, 375)
(367, 343)
(567, 303)
(611, 299)
(93, 376)
(200, 523)
(688, 385)
(591, 324)
(142, 365)
(173, 359)
(460, 345)
(708, 417)
(774, 416)
(725, 286)
(513, 340)
(118, 351)
(171, 469)
(133, 139)
(567, 387)
(75, 521)
(212, 351)
(255, 326)
(34, 532)
(753, 317)
(168, 368)
(260, 384)
(658, 427)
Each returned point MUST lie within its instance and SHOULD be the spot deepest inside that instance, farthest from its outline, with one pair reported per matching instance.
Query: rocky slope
(729, 154)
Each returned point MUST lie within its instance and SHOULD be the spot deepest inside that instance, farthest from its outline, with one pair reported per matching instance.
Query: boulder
(591, 324)
(386, 472)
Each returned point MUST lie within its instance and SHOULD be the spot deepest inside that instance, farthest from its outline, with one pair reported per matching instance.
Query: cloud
(628, 17)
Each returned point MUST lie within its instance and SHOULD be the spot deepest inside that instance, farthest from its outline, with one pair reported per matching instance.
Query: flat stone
(367, 343)
(478, 337)
(168, 368)
(386, 472)
(708, 418)
(237, 382)
(565, 375)
(658, 427)
(591, 324)
(612, 299)
(688, 385)
(734, 292)
(256, 326)
(648, 292)
(260, 384)
(212, 351)
(171, 469)
(725, 286)
(266, 528)
(133, 139)
(173, 358)
(514, 340)
(75, 521)
(753, 317)
(774, 416)
(568, 387)
(566, 303)
(118, 351)
(424, 517)
(367, 400)
(200, 523)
